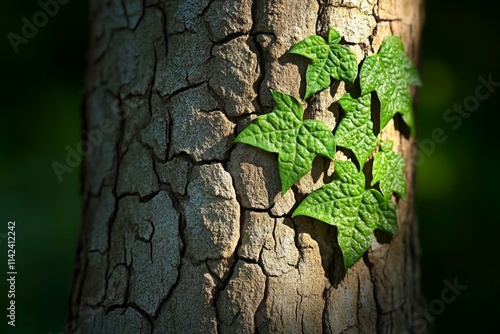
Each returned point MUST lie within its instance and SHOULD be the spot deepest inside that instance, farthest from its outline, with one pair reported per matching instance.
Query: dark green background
(457, 184)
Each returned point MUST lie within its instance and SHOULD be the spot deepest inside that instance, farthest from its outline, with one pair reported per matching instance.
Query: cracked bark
(185, 232)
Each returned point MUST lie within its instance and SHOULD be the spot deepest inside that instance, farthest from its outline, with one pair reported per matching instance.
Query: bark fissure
(197, 237)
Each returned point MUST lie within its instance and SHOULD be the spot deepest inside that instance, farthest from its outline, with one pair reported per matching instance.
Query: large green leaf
(390, 73)
(355, 211)
(328, 60)
(296, 141)
(355, 130)
(388, 169)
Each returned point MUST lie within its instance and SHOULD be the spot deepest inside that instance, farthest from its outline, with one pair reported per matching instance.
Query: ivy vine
(345, 202)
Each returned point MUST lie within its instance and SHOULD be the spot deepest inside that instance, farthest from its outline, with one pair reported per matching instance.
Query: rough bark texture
(185, 232)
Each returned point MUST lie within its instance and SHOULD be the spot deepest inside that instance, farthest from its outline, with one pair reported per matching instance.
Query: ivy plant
(356, 211)
(389, 73)
(355, 131)
(388, 170)
(296, 141)
(347, 202)
(328, 60)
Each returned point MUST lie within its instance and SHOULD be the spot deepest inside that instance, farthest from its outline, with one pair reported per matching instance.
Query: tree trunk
(185, 232)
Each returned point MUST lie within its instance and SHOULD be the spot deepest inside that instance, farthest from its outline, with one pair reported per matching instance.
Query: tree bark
(185, 232)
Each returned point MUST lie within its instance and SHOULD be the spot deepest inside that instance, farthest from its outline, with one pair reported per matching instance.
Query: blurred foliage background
(457, 183)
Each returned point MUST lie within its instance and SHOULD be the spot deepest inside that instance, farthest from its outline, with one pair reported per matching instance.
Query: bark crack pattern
(184, 231)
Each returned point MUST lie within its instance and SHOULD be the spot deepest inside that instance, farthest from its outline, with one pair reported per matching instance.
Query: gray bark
(185, 232)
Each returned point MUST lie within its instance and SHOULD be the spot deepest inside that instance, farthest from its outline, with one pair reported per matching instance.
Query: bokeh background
(457, 189)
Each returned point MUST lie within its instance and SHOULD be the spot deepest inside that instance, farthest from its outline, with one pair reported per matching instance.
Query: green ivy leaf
(355, 211)
(355, 131)
(328, 60)
(390, 73)
(388, 169)
(297, 142)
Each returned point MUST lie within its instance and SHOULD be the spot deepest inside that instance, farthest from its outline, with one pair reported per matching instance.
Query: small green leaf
(390, 73)
(355, 131)
(355, 211)
(334, 36)
(297, 142)
(387, 145)
(388, 169)
(328, 60)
